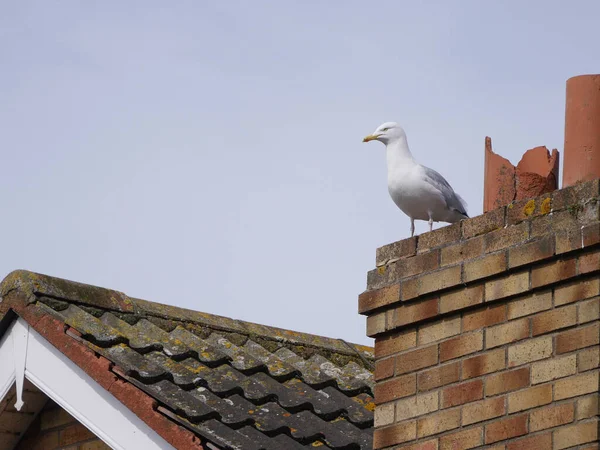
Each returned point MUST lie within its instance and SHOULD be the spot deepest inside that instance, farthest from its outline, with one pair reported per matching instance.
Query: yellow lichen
(370, 406)
(317, 444)
(545, 207)
(529, 208)
(381, 270)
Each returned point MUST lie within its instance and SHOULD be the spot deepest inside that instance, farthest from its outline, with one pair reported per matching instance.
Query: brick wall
(56, 429)
(487, 331)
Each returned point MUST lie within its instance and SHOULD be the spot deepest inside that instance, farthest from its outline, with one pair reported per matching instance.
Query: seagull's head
(386, 133)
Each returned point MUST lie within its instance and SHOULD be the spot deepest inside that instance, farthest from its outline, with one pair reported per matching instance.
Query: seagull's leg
(412, 227)
(430, 222)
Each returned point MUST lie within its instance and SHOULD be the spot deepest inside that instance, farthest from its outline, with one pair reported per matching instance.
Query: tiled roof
(235, 384)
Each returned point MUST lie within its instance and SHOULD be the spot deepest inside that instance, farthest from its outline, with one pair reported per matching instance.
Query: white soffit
(24, 352)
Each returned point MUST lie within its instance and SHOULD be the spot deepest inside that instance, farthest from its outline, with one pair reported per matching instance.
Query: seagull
(420, 192)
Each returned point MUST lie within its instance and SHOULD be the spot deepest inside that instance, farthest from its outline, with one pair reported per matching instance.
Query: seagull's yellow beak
(370, 137)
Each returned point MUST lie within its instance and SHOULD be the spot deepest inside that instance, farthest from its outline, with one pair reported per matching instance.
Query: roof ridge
(33, 285)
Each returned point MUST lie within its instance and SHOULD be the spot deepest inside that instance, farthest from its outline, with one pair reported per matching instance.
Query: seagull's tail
(464, 205)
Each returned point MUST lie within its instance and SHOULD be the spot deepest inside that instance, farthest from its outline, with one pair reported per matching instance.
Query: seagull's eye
(385, 129)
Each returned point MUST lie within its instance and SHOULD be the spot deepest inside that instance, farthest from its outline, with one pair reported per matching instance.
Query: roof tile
(235, 384)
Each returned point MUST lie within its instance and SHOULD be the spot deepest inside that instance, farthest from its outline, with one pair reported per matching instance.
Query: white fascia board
(7, 362)
(76, 392)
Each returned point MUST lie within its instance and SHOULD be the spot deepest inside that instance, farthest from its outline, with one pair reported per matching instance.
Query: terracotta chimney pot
(582, 130)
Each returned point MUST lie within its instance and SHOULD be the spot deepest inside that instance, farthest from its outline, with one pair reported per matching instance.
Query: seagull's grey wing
(453, 200)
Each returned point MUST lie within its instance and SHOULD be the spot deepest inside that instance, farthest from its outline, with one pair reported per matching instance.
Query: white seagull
(420, 192)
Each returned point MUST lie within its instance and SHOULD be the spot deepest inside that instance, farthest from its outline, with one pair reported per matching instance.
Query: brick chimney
(487, 331)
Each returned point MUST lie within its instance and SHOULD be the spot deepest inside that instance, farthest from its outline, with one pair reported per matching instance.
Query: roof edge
(33, 285)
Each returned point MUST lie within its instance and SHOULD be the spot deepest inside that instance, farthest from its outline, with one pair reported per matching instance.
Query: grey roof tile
(236, 384)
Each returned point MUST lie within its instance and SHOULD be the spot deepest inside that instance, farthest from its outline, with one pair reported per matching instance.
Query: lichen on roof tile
(236, 384)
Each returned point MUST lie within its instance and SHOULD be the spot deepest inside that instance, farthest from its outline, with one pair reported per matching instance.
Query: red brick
(92, 445)
(589, 262)
(384, 368)
(580, 433)
(462, 393)
(567, 240)
(506, 428)
(442, 329)
(413, 312)
(483, 318)
(525, 306)
(506, 237)
(430, 282)
(416, 405)
(531, 252)
(43, 442)
(577, 290)
(416, 359)
(384, 414)
(506, 381)
(74, 434)
(484, 410)
(485, 363)
(588, 311)
(462, 251)
(425, 445)
(395, 344)
(590, 235)
(437, 238)
(521, 210)
(553, 272)
(54, 418)
(403, 268)
(462, 440)
(581, 384)
(554, 320)
(553, 368)
(395, 434)
(572, 195)
(484, 267)
(529, 351)
(512, 331)
(588, 359)
(438, 376)
(395, 388)
(369, 300)
(529, 398)
(396, 250)
(587, 407)
(438, 422)
(461, 345)
(513, 284)
(376, 324)
(563, 220)
(423, 263)
(539, 441)
(551, 417)
(463, 298)
(483, 224)
(568, 341)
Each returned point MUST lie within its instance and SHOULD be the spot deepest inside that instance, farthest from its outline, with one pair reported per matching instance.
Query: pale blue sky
(209, 154)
